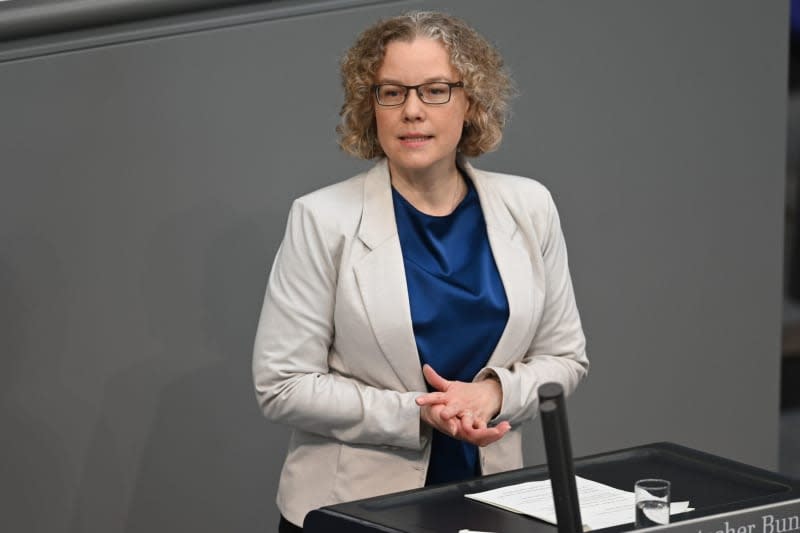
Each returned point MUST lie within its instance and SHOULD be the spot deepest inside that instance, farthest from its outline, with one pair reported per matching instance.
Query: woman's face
(418, 137)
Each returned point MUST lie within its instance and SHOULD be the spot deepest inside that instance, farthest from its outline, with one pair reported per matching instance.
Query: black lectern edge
(692, 455)
(482, 483)
(706, 518)
(354, 524)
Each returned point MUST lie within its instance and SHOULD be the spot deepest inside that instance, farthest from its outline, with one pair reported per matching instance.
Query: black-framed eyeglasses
(435, 92)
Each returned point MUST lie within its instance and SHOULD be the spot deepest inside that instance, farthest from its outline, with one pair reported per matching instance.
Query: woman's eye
(392, 91)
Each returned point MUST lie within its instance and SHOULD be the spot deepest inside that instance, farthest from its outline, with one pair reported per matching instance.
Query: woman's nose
(413, 107)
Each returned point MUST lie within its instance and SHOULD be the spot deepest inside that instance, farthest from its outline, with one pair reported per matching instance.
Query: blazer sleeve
(293, 382)
(557, 352)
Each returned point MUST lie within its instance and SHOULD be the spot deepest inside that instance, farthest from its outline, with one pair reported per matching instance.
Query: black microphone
(559, 458)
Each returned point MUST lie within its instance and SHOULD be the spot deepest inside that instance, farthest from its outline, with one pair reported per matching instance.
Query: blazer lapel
(382, 280)
(513, 264)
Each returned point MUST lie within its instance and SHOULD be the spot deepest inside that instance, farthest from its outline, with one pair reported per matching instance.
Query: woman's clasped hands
(463, 410)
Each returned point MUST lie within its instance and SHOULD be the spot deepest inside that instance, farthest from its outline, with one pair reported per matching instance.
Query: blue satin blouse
(458, 307)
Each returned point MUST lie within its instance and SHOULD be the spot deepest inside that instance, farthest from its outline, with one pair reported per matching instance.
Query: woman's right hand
(463, 427)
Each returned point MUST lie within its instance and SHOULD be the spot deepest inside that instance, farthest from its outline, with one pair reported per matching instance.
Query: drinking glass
(652, 502)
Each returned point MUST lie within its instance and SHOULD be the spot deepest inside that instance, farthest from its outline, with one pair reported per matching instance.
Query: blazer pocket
(365, 471)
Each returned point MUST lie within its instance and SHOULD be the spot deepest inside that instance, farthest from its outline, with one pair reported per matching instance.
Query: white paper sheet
(601, 505)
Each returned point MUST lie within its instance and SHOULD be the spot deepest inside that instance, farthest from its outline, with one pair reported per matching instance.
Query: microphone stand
(559, 458)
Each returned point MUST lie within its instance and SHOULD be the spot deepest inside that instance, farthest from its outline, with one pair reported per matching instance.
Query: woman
(413, 310)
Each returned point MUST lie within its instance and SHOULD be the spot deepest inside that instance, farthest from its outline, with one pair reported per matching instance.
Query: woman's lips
(415, 140)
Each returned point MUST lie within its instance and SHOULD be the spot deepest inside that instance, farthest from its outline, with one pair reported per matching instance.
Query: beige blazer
(335, 356)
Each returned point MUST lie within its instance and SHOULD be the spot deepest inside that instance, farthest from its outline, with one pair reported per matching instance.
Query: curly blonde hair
(487, 84)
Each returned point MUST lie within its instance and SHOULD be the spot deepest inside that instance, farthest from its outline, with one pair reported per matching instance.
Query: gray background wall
(148, 169)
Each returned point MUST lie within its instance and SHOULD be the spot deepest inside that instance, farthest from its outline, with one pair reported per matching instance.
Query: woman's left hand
(474, 404)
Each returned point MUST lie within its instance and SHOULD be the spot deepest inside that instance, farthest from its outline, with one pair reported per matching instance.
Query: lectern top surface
(712, 485)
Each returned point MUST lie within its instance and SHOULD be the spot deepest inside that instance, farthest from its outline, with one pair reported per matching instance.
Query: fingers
(467, 419)
(470, 422)
(452, 425)
(468, 428)
(434, 380)
(460, 409)
(486, 436)
(453, 410)
(473, 429)
(431, 398)
(430, 414)
(483, 398)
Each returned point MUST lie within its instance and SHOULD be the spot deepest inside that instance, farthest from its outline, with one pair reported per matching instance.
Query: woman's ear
(469, 114)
